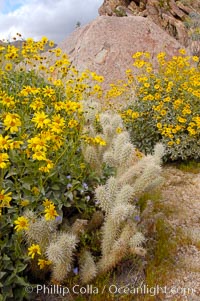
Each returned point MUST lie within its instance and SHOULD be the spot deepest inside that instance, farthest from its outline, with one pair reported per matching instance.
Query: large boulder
(106, 45)
(174, 16)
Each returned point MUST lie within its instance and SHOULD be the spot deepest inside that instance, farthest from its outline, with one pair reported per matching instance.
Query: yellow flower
(48, 91)
(148, 69)
(137, 55)
(8, 67)
(21, 223)
(99, 78)
(166, 99)
(156, 87)
(177, 103)
(161, 56)
(33, 250)
(186, 110)
(72, 123)
(37, 144)
(50, 212)
(5, 199)
(59, 105)
(35, 190)
(191, 131)
(181, 119)
(197, 121)
(24, 203)
(3, 159)
(37, 104)
(134, 115)
(138, 153)
(43, 263)
(44, 40)
(15, 144)
(12, 122)
(39, 155)
(58, 52)
(52, 69)
(58, 83)
(118, 130)
(46, 203)
(147, 55)
(58, 124)
(157, 96)
(51, 43)
(195, 58)
(57, 141)
(29, 41)
(163, 112)
(146, 85)
(29, 90)
(170, 143)
(159, 125)
(139, 63)
(99, 140)
(182, 51)
(5, 142)
(48, 167)
(8, 101)
(40, 118)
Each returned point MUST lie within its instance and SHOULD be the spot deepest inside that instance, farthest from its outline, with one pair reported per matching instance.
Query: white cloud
(52, 18)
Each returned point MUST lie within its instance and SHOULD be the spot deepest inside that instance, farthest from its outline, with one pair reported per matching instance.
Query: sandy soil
(182, 192)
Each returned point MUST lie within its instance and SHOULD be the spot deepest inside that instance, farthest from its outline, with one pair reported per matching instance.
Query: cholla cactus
(88, 269)
(120, 236)
(120, 154)
(92, 156)
(111, 124)
(119, 249)
(91, 108)
(60, 253)
(60, 271)
(58, 247)
(113, 225)
(40, 231)
(133, 177)
(61, 250)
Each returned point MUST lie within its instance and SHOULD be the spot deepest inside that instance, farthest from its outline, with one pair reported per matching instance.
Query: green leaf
(69, 195)
(26, 186)
(21, 281)
(55, 187)
(20, 267)
(12, 172)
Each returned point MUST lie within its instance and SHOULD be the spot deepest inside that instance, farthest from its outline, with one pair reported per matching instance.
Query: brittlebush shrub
(41, 165)
(166, 106)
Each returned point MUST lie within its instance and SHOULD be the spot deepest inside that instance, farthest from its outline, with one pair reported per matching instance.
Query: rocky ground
(182, 192)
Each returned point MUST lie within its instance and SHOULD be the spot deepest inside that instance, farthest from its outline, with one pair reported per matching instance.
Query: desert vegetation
(76, 175)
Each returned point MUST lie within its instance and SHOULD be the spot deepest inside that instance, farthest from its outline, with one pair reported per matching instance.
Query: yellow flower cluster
(169, 97)
(115, 90)
(34, 250)
(51, 116)
(129, 115)
(5, 199)
(94, 140)
(50, 211)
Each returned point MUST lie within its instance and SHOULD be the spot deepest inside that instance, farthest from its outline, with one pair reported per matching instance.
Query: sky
(55, 19)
